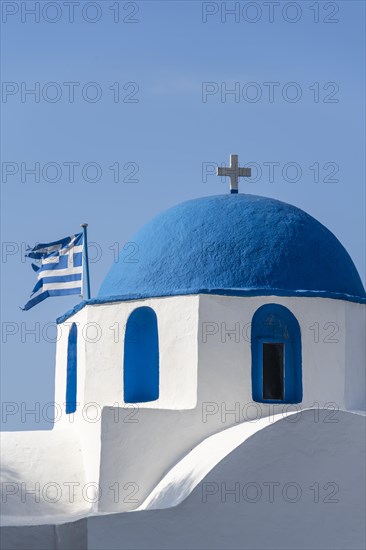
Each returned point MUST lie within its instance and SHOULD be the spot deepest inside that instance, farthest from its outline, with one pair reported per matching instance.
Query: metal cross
(234, 173)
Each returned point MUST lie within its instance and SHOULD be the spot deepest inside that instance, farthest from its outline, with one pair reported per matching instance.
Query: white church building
(226, 354)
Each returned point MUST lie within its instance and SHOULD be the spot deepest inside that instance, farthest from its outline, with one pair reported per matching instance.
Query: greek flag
(61, 269)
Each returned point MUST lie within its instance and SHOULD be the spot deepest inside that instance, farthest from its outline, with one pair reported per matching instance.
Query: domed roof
(234, 244)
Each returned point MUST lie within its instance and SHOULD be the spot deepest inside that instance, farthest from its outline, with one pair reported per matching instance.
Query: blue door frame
(273, 323)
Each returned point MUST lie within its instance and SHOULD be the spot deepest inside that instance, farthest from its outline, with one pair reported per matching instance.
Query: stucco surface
(315, 466)
(38, 470)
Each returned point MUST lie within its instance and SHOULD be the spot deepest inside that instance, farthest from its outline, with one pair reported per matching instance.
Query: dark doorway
(276, 355)
(273, 370)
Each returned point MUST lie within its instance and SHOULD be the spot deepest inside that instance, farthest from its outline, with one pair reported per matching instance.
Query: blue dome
(235, 245)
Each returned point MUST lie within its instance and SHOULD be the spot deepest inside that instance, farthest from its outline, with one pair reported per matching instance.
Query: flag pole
(84, 226)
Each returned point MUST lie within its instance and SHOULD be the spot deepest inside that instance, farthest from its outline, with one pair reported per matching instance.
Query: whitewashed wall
(205, 382)
(355, 357)
(225, 363)
(177, 326)
(101, 330)
(43, 478)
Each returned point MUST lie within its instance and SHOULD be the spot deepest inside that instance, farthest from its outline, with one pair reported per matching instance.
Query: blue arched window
(71, 383)
(276, 355)
(141, 357)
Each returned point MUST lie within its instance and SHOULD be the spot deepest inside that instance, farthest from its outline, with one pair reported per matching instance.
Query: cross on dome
(234, 173)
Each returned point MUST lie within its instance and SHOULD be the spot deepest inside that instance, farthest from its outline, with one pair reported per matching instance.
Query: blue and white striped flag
(61, 269)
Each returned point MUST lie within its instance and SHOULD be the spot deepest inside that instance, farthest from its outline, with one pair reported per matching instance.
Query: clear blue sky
(169, 132)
